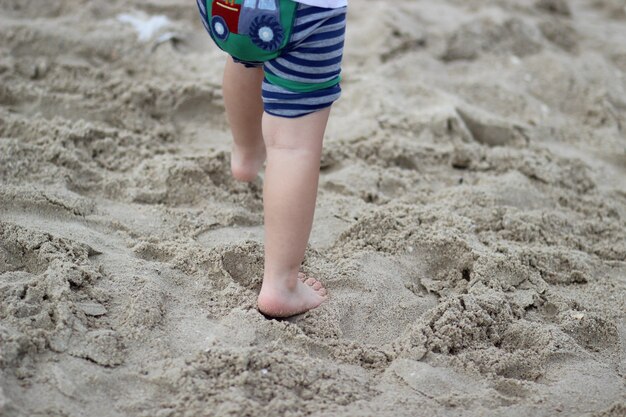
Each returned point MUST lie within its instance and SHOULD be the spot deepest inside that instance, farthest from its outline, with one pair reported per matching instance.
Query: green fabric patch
(298, 87)
(272, 19)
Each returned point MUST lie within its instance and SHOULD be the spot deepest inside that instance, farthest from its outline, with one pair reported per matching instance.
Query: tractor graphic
(258, 19)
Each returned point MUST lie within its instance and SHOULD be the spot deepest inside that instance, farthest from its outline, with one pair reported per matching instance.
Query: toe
(301, 276)
(317, 285)
(310, 281)
(322, 291)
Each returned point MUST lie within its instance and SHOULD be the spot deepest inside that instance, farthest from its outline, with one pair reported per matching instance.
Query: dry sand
(471, 221)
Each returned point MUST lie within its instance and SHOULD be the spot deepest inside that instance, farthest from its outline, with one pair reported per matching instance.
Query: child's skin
(293, 148)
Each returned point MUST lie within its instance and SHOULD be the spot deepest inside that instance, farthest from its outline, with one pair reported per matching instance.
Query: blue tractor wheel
(266, 32)
(219, 28)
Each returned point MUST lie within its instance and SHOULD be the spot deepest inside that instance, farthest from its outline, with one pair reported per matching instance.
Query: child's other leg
(294, 148)
(244, 110)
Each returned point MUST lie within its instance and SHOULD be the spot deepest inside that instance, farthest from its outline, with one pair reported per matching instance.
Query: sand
(471, 220)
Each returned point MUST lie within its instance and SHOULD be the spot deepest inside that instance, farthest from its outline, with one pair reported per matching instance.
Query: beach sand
(470, 225)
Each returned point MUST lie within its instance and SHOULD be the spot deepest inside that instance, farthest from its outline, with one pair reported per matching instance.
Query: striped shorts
(304, 78)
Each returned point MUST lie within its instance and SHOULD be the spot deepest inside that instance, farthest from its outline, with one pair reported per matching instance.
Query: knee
(302, 135)
(286, 147)
(292, 151)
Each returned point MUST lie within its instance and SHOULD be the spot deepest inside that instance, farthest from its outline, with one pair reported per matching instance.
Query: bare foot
(245, 163)
(284, 302)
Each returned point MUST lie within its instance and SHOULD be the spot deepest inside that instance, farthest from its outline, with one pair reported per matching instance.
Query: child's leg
(244, 110)
(294, 148)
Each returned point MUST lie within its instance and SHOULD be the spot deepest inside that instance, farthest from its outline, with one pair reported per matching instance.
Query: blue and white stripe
(203, 15)
(312, 56)
(278, 101)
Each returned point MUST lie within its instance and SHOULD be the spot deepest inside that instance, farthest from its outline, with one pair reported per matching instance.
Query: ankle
(247, 160)
(283, 281)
